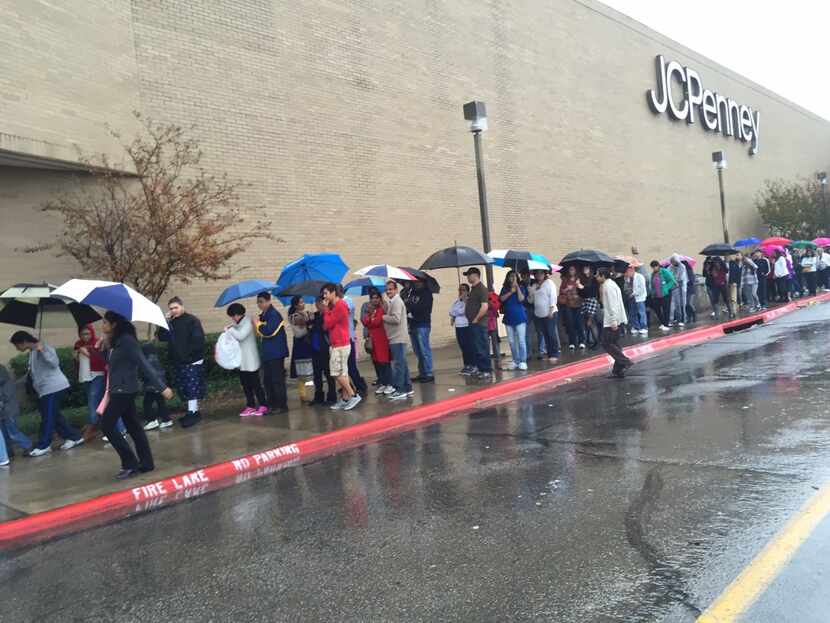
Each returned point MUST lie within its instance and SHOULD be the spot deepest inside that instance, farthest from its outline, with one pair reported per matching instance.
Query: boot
(301, 390)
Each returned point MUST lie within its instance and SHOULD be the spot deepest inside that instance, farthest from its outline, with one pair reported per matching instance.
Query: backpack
(227, 353)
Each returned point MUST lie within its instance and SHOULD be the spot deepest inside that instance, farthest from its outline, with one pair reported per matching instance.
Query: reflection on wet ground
(602, 501)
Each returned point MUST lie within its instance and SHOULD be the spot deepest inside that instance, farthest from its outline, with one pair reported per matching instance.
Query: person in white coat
(613, 316)
(243, 331)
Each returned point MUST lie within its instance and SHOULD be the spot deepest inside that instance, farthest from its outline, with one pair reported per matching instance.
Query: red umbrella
(683, 258)
(822, 242)
(770, 249)
(776, 240)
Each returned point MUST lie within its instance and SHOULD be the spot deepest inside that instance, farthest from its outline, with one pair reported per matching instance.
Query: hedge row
(217, 377)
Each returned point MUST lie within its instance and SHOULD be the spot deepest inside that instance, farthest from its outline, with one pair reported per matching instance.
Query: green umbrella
(803, 244)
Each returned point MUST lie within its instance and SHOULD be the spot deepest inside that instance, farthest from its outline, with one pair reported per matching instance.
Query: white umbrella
(116, 297)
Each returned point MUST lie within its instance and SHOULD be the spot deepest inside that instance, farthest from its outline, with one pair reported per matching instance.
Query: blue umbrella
(313, 267)
(360, 287)
(748, 242)
(243, 290)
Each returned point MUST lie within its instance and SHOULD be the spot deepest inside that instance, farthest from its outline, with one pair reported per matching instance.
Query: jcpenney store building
(344, 120)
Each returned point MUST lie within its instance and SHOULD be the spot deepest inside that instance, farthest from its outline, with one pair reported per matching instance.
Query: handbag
(227, 353)
(367, 345)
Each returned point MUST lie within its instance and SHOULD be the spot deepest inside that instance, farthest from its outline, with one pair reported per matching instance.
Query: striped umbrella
(112, 296)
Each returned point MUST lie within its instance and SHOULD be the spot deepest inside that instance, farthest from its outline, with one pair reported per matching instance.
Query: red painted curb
(120, 504)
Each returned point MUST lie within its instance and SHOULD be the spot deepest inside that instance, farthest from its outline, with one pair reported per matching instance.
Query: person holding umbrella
(781, 272)
(126, 360)
(372, 320)
(50, 384)
(186, 351)
(512, 296)
(677, 305)
(9, 410)
(271, 328)
(242, 329)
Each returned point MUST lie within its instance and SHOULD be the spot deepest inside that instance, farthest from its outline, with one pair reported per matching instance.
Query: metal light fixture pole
(822, 179)
(719, 160)
(476, 115)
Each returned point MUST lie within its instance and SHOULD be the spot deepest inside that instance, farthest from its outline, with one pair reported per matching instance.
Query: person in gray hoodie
(49, 383)
(677, 310)
(9, 410)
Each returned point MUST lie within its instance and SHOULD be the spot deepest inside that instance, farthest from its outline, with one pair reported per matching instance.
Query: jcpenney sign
(717, 113)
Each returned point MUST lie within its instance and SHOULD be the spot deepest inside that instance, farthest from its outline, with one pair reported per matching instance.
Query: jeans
(783, 286)
(812, 281)
(384, 371)
(574, 325)
(535, 341)
(4, 455)
(716, 293)
(763, 299)
(123, 406)
(254, 395)
(610, 342)
(749, 294)
(517, 336)
(12, 434)
(94, 394)
(547, 327)
(400, 369)
(52, 420)
(638, 316)
(320, 361)
(677, 311)
(479, 348)
(662, 306)
(462, 335)
(354, 374)
(154, 407)
(275, 392)
(419, 336)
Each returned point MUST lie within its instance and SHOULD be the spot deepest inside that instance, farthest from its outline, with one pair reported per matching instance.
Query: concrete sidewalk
(33, 485)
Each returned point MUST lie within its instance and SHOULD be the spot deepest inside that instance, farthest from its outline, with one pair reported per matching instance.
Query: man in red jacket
(336, 319)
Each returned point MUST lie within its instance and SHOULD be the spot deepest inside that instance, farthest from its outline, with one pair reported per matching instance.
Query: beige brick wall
(343, 119)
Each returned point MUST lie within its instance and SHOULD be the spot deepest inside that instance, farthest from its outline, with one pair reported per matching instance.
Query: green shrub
(218, 379)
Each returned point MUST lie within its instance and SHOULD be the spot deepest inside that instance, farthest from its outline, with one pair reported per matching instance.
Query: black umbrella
(620, 266)
(719, 249)
(26, 305)
(588, 256)
(429, 280)
(309, 288)
(455, 257)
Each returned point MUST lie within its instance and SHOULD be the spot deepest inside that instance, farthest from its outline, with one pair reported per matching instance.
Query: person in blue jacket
(271, 328)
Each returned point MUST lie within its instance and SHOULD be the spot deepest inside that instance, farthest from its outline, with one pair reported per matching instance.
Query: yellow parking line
(746, 588)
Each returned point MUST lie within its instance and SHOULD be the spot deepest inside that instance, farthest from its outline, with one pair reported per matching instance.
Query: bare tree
(170, 221)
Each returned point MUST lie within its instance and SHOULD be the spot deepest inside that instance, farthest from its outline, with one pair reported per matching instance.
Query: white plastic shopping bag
(228, 354)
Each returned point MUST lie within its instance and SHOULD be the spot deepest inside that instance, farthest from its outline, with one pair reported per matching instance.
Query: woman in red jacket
(92, 369)
(381, 355)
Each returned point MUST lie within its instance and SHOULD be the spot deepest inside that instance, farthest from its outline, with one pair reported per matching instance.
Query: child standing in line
(155, 410)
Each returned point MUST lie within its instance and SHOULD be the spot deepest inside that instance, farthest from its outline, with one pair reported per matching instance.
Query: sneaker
(409, 393)
(664, 328)
(523, 366)
(681, 324)
(398, 396)
(380, 390)
(247, 412)
(388, 390)
(5, 463)
(126, 473)
(714, 314)
(582, 347)
(154, 424)
(484, 376)
(71, 443)
(40, 451)
(353, 402)
(571, 348)
(511, 366)
(553, 359)
(166, 424)
(339, 405)
(260, 411)
(471, 371)
(190, 419)
(427, 379)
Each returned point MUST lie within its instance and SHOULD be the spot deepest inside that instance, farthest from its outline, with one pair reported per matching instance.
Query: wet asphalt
(601, 501)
